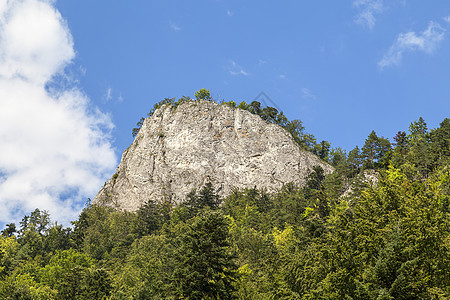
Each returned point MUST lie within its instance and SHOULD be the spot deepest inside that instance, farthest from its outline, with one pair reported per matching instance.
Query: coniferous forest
(376, 228)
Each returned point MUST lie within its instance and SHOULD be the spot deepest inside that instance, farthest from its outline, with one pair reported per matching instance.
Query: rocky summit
(181, 148)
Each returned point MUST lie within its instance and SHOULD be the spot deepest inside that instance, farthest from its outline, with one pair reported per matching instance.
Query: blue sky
(82, 73)
(318, 60)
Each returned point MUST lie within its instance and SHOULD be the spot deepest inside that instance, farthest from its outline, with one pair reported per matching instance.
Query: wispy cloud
(83, 70)
(446, 19)
(282, 76)
(368, 10)
(108, 94)
(55, 146)
(307, 94)
(235, 69)
(175, 26)
(111, 95)
(426, 41)
(230, 13)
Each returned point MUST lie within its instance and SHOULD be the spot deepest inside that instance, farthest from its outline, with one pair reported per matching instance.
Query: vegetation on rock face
(203, 94)
(270, 114)
(385, 241)
(170, 101)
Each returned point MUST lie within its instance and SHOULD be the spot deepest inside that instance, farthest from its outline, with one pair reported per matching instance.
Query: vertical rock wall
(178, 149)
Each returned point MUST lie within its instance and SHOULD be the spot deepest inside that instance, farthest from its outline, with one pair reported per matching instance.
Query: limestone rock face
(178, 149)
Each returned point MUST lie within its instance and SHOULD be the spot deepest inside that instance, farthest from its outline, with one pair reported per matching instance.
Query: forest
(376, 228)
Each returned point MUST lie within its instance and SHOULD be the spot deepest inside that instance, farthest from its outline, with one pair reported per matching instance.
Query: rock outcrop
(178, 149)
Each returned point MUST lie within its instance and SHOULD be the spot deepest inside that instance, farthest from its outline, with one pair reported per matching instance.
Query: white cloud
(55, 149)
(236, 69)
(446, 19)
(175, 27)
(307, 94)
(230, 13)
(426, 41)
(282, 76)
(368, 10)
(35, 41)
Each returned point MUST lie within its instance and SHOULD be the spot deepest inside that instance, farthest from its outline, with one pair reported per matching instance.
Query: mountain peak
(182, 147)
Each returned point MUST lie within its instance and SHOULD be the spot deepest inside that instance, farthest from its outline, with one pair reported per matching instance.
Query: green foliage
(376, 151)
(73, 275)
(9, 248)
(305, 140)
(9, 230)
(354, 162)
(203, 94)
(323, 150)
(243, 106)
(401, 148)
(38, 221)
(139, 124)
(390, 240)
(23, 286)
(98, 284)
(206, 197)
(58, 238)
(65, 272)
(204, 267)
(151, 216)
(105, 234)
(230, 104)
(147, 272)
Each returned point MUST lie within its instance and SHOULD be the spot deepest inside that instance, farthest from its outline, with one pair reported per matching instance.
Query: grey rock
(178, 149)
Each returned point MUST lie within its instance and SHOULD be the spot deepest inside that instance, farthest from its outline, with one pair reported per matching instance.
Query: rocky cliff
(178, 149)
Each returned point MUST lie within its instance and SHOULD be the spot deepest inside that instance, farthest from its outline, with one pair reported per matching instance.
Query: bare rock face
(178, 149)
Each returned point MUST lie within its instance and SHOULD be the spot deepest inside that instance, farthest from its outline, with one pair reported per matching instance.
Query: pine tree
(204, 267)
